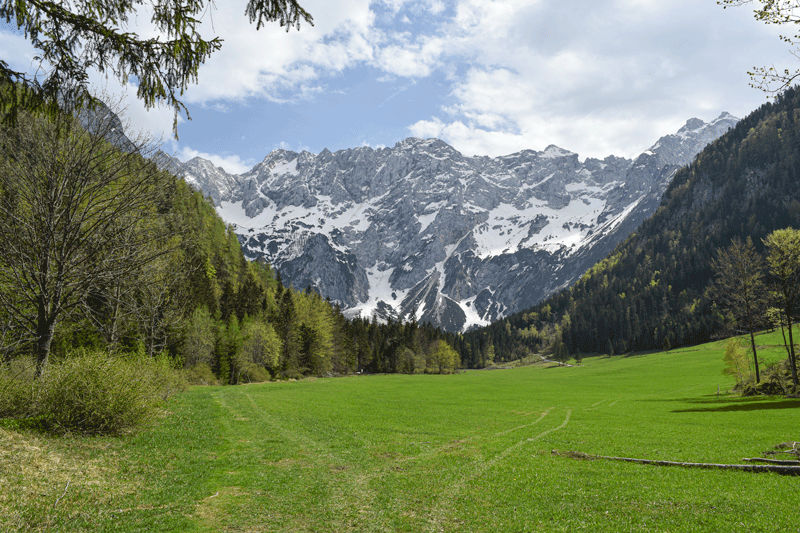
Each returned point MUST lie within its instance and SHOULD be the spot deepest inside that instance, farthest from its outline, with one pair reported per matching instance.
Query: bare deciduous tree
(740, 287)
(783, 258)
(76, 213)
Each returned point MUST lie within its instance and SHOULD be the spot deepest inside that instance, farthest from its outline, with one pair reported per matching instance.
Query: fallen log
(771, 461)
(785, 470)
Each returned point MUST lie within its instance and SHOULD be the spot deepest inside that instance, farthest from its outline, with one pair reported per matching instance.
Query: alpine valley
(421, 232)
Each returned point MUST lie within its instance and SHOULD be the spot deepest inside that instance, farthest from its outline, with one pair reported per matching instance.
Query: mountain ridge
(419, 231)
(654, 290)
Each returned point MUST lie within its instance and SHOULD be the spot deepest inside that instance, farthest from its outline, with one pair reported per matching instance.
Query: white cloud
(601, 77)
(231, 164)
(409, 61)
(275, 64)
(595, 77)
(16, 50)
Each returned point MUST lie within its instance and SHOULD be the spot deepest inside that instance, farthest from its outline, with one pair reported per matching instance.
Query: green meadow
(465, 452)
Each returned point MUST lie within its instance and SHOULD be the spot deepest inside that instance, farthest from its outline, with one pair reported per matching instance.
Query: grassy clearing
(469, 452)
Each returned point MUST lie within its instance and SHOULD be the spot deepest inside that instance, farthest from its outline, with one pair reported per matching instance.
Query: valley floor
(468, 452)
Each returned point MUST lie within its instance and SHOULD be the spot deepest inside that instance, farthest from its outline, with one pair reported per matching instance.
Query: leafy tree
(779, 12)
(783, 258)
(258, 351)
(740, 286)
(736, 362)
(315, 333)
(444, 359)
(77, 36)
(406, 363)
(198, 345)
(777, 319)
(76, 214)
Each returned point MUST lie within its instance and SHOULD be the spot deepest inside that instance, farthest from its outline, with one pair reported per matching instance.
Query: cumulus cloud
(594, 77)
(231, 164)
(282, 65)
(601, 77)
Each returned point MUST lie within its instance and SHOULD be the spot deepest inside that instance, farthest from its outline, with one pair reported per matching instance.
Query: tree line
(760, 292)
(654, 290)
(101, 250)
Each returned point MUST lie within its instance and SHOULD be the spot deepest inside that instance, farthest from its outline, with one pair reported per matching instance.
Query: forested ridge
(208, 309)
(177, 285)
(242, 320)
(653, 291)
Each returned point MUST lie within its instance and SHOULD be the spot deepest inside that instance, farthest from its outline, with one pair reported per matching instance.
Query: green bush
(16, 388)
(776, 378)
(201, 374)
(93, 392)
(252, 373)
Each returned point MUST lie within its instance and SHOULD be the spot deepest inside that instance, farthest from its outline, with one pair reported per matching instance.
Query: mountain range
(421, 232)
(658, 288)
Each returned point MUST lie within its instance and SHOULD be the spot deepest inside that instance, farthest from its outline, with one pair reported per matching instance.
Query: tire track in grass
(597, 405)
(380, 470)
(459, 443)
(351, 499)
(248, 439)
(351, 503)
(506, 432)
(446, 499)
(594, 406)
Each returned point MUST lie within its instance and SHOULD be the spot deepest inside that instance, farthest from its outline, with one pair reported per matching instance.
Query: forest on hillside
(102, 251)
(654, 290)
(174, 281)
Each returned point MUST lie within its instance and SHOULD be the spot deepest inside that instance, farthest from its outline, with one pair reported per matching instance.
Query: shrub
(16, 387)
(201, 374)
(252, 373)
(93, 392)
(776, 378)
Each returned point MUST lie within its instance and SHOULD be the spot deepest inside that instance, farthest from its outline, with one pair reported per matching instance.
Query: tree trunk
(792, 365)
(786, 470)
(45, 331)
(755, 356)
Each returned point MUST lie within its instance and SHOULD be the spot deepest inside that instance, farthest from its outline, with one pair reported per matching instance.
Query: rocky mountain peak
(418, 231)
(692, 124)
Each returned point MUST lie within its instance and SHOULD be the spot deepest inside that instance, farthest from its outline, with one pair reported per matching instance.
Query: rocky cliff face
(420, 231)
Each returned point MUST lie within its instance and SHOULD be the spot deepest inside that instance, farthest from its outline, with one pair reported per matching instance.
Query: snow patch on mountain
(419, 231)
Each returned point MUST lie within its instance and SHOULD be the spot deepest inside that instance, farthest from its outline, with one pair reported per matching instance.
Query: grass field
(467, 452)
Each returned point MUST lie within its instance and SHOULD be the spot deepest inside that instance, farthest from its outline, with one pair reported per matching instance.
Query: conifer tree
(76, 37)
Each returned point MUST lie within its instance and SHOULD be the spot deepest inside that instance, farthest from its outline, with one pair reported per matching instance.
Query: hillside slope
(421, 232)
(652, 290)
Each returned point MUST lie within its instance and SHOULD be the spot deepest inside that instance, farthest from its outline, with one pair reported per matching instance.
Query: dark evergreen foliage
(74, 38)
(200, 302)
(653, 292)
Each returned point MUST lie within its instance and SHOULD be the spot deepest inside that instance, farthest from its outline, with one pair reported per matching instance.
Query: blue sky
(595, 77)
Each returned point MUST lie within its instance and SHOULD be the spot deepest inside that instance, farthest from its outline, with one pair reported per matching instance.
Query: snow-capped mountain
(419, 231)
